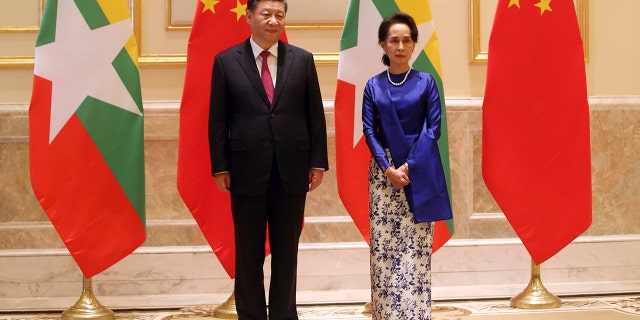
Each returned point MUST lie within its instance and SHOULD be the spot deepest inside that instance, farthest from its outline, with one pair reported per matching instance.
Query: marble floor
(612, 307)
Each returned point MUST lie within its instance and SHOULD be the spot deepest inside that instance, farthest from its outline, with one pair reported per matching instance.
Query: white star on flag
(359, 63)
(79, 64)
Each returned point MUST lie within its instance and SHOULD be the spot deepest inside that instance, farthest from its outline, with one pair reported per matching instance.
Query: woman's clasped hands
(399, 177)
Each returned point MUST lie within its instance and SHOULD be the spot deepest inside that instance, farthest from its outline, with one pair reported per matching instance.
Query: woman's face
(399, 46)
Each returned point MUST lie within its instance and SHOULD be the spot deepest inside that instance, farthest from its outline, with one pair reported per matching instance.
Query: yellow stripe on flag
(132, 48)
(115, 10)
(419, 10)
(432, 51)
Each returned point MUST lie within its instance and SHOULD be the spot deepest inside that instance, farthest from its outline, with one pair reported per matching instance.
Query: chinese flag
(535, 134)
(217, 25)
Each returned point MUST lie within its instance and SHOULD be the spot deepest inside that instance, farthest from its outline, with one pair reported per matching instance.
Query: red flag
(535, 138)
(216, 26)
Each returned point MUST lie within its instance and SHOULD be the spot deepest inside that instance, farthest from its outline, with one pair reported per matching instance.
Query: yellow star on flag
(544, 6)
(514, 2)
(240, 10)
(209, 5)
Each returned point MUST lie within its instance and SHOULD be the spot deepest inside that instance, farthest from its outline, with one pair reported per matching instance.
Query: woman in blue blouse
(407, 190)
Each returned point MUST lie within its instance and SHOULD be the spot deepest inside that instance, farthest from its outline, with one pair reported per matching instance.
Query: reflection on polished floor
(618, 307)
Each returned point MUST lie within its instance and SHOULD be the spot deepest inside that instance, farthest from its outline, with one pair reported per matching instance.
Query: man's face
(267, 22)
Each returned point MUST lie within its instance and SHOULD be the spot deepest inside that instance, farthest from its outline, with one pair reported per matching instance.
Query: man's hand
(223, 181)
(315, 178)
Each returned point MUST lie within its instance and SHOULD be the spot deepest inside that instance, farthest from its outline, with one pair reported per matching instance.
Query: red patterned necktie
(267, 82)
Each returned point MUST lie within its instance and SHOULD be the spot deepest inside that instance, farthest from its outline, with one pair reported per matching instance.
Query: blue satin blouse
(406, 119)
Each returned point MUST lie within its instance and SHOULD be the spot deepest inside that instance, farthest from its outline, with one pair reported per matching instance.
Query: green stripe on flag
(47, 32)
(128, 72)
(350, 31)
(386, 8)
(109, 127)
(92, 13)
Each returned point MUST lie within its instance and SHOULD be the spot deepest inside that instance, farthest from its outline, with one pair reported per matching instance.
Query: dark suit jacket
(246, 132)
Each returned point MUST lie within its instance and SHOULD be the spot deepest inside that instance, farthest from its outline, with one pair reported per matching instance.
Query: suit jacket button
(272, 115)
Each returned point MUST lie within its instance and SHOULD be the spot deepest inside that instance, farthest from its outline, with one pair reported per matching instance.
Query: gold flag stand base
(227, 310)
(88, 306)
(535, 295)
(367, 309)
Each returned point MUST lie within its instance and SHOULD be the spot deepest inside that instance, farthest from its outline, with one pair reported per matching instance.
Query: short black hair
(253, 4)
(385, 25)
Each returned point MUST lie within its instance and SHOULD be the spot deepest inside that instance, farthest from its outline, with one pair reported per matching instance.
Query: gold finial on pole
(88, 306)
(535, 295)
(227, 310)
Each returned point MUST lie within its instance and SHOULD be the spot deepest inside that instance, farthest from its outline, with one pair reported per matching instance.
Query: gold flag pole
(227, 310)
(88, 306)
(535, 295)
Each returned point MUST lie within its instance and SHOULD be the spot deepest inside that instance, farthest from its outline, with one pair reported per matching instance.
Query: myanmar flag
(360, 59)
(536, 157)
(86, 130)
(217, 25)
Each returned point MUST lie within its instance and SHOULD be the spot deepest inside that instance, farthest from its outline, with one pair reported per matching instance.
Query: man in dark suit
(268, 149)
